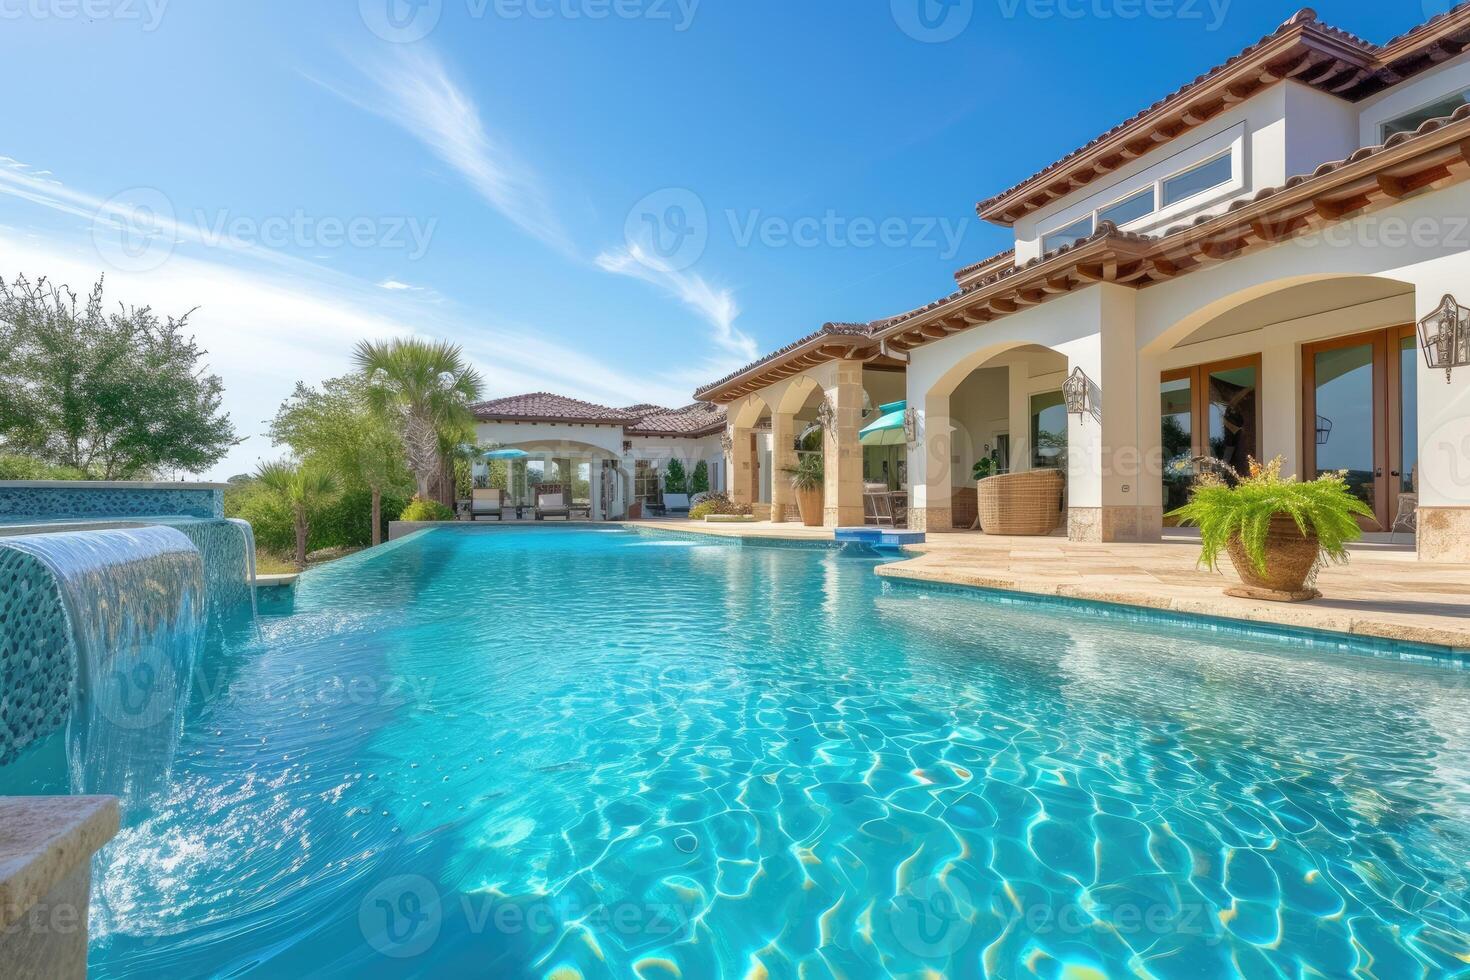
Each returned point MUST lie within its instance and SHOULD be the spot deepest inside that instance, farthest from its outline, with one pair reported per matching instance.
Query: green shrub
(1324, 507)
(699, 480)
(808, 473)
(16, 467)
(268, 514)
(347, 522)
(419, 509)
(674, 479)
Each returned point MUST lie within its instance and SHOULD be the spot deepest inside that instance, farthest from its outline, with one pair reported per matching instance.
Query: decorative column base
(761, 512)
(932, 520)
(1099, 525)
(843, 517)
(1444, 535)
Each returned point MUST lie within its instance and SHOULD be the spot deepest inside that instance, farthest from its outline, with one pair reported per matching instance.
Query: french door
(1209, 410)
(1359, 411)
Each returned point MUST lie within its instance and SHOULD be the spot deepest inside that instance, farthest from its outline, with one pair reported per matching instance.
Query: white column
(595, 489)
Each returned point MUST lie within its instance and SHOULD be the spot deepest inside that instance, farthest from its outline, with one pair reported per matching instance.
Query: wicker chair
(1021, 503)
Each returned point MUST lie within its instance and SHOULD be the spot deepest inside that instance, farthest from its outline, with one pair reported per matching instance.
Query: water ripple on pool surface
(550, 752)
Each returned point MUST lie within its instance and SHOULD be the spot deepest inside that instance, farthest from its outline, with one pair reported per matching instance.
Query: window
(647, 487)
(1196, 180)
(1129, 209)
(1048, 431)
(1069, 235)
(1411, 121)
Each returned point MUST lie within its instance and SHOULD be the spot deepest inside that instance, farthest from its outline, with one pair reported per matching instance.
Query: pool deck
(1383, 592)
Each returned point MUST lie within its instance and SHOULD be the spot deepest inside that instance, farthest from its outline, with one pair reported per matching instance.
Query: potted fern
(809, 481)
(1279, 532)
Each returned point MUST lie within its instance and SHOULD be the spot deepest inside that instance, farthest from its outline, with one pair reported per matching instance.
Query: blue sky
(617, 199)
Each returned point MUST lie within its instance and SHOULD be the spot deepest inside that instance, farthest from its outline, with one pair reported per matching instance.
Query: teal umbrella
(888, 429)
(506, 454)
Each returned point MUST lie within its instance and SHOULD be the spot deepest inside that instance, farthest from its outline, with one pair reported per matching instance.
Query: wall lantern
(727, 444)
(1445, 337)
(910, 426)
(1324, 430)
(1082, 395)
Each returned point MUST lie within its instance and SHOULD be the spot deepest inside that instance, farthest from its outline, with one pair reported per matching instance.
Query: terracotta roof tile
(545, 406)
(700, 418)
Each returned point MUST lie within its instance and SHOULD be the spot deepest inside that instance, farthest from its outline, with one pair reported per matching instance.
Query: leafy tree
(699, 480)
(336, 429)
(675, 479)
(426, 389)
(112, 395)
(303, 488)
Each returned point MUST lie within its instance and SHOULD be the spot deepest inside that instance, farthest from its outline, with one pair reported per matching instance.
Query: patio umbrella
(506, 454)
(888, 429)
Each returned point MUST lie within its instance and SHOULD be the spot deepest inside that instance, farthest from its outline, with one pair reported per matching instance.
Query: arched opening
(1321, 371)
(998, 410)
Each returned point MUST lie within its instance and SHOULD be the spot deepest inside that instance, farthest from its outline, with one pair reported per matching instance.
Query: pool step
(879, 537)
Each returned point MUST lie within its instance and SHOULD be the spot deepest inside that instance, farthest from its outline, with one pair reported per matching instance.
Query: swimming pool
(559, 752)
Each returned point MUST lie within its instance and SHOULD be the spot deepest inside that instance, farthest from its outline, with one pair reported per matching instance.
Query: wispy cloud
(413, 89)
(394, 286)
(715, 306)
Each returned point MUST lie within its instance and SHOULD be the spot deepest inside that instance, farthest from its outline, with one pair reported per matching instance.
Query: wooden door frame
(1387, 414)
(1199, 395)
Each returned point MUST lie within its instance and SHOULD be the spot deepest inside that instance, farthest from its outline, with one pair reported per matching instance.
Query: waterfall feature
(136, 604)
(227, 548)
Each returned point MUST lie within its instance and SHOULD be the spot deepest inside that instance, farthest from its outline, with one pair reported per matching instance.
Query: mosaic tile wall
(36, 657)
(31, 503)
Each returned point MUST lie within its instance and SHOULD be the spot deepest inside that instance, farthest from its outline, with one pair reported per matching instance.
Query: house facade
(614, 460)
(1237, 271)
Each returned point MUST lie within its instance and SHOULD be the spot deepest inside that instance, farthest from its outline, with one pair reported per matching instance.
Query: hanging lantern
(1082, 395)
(1445, 337)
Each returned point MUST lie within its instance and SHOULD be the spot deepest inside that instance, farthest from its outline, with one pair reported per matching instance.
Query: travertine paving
(1383, 592)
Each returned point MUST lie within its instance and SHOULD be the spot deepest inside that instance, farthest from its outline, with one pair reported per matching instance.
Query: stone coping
(43, 839)
(106, 485)
(280, 580)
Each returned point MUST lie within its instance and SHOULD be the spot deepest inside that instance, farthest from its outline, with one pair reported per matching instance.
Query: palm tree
(427, 388)
(303, 489)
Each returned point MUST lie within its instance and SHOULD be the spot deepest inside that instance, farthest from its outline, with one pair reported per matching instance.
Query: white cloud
(716, 306)
(393, 285)
(414, 90)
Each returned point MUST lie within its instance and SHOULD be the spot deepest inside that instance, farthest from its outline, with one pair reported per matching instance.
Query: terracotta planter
(812, 504)
(1290, 560)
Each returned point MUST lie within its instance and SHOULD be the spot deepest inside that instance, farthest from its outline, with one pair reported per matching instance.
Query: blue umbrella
(888, 429)
(506, 454)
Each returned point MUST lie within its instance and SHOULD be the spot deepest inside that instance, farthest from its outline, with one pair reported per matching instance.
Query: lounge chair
(552, 502)
(676, 503)
(1027, 503)
(877, 504)
(487, 503)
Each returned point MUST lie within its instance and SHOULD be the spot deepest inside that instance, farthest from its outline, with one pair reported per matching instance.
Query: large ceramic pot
(812, 504)
(1290, 559)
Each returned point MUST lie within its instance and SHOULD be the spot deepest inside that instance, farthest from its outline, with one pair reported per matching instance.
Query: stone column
(783, 457)
(932, 483)
(1103, 457)
(841, 451)
(742, 461)
(595, 489)
(1442, 470)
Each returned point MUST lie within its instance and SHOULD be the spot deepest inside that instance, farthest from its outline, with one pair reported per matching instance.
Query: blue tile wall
(82, 500)
(36, 657)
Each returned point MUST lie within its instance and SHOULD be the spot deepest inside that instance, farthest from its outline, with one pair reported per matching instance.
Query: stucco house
(614, 459)
(1238, 270)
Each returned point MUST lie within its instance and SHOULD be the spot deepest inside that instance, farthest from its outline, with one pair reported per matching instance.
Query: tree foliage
(304, 489)
(699, 479)
(675, 479)
(114, 396)
(425, 389)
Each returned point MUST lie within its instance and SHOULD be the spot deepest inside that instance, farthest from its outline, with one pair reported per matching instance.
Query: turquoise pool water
(563, 752)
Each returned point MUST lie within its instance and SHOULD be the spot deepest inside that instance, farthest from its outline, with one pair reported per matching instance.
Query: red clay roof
(542, 406)
(1325, 57)
(698, 419)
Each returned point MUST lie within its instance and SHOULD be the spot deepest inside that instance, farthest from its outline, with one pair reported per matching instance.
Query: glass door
(1209, 410)
(1360, 414)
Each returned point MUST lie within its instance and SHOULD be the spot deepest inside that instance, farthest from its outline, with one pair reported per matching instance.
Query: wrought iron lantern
(1324, 430)
(1445, 337)
(1082, 395)
(727, 444)
(827, 415)
(910, 426)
